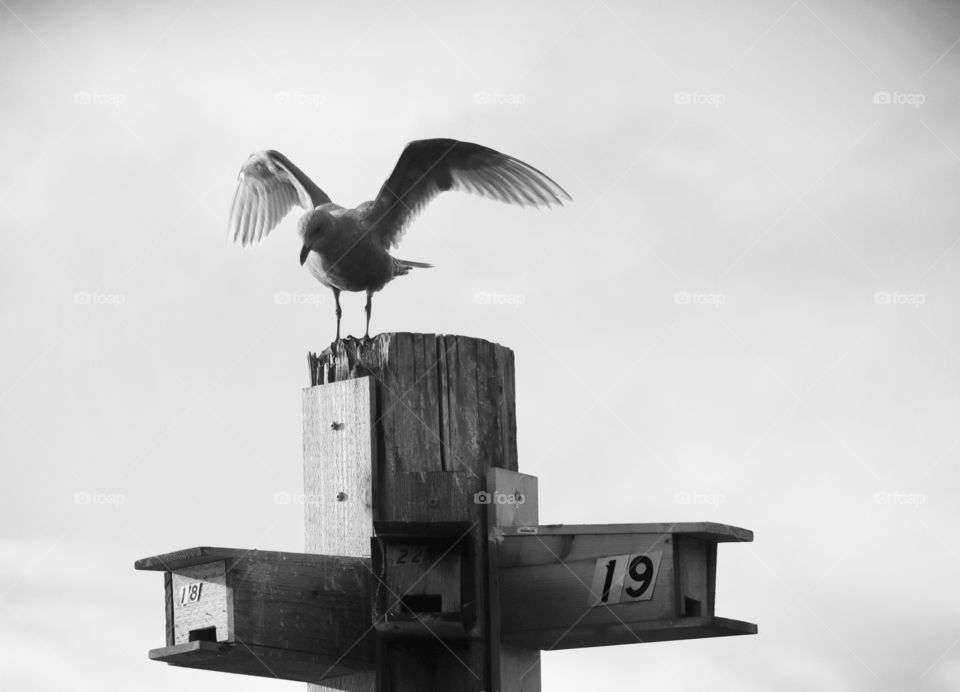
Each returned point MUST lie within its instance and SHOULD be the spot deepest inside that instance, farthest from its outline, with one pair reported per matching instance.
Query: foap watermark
(887, 497)
(96, 497)
(899, 98)
(695, 497)
(914, 300)
(298, 98)
(698, 98)
(297, 298)
(714, 300)
(99, 298)
(284, 497)
(496, 298)
(496, 98)
(498, 498)
(97, 98)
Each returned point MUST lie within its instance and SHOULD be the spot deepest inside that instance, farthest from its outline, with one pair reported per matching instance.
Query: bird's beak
(303, 254)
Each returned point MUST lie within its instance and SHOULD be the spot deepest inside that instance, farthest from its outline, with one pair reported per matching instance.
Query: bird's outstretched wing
(428, 167)
(270, 186)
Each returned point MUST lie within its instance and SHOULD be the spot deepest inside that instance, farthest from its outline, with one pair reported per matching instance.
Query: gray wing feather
(430, 166)
(269, 187)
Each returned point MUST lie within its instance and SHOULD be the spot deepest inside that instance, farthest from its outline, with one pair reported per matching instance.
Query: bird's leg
(368, 309)
(336, 298)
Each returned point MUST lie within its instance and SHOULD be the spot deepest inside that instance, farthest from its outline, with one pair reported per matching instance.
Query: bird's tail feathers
(401, 267)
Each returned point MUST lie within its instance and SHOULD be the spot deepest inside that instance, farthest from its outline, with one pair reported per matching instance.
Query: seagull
(348, 249)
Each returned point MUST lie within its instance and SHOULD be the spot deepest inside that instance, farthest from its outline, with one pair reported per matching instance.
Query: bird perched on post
(348, 249)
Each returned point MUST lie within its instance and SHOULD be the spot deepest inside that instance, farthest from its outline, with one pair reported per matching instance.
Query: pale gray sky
(751, 304)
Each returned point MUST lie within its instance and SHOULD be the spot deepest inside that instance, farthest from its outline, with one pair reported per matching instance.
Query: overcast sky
(747, 315)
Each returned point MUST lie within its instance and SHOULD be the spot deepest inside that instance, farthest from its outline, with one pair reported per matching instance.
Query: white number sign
(190, 593)
(624, 578)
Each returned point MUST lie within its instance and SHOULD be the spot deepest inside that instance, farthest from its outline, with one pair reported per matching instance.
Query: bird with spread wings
(348, 249)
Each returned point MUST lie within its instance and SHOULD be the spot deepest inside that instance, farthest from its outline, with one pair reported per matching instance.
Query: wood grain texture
(214, 607)
(515, 668)
(314, 604)
(293, 616)
(444, 402)
(338, 458)
(444, 414)
(339, 453)
(168, 607)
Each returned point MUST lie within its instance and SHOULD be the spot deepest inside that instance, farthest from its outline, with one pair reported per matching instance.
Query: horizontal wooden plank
(251, 659)
(187, 557)
(708, 530)
(630, 633)
(321, 608)
(201, 554)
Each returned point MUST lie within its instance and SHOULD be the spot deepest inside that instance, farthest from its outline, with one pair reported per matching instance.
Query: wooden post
(430, 415)
(431, 570)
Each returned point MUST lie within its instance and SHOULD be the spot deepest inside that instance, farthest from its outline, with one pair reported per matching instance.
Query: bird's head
(313, 228)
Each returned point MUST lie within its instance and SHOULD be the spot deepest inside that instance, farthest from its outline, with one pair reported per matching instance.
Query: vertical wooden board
(168, 606)
(340, 461)
(488, 405)
(415, 400)
(444, 405)
(505, 365)
(413, 429)
(519, 669)
(425, 361)
(464, 379)
(213, 606)
(513, 668)
(406, 426)
(512, 484)
(691, 570)
(385, 423)
(338, 456)
(454, 424)
(711, 578)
